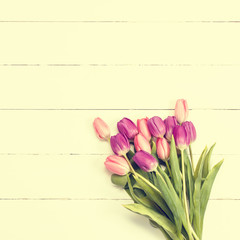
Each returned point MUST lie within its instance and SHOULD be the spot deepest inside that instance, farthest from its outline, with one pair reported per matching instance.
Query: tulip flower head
(145, 161)
(127, 128)
(101, 128)
(181, 138)
(191, 131)
(170, 123)
(181, 110)
(117, 165)
(141, 143)
(143, 128)
(156, 127)
(120, 144)
(163, 149)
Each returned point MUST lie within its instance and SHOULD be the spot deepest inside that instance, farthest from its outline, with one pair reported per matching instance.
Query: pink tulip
(143, 128)
(141, 143)
(117, 165)
(181, 110)
(102, 129)
(163, 149)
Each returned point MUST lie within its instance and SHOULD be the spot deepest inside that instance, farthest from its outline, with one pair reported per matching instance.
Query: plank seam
(115, 109)
(94, 199)
(119, 65)
(122, 21)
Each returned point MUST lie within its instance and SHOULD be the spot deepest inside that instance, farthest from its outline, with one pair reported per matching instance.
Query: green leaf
(143, 173)
(198, 169)
(153, 224)
(139, 192)
(206, 166)
(154, 216)
(130, 154)
(154, 148)
(176, 173)
(206, 188)
(172, 199)
(139, 196)
(119, 180)
(155, 195)
(189, 184)
(197, 194)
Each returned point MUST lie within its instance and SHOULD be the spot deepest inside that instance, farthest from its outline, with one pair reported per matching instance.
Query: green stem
(185, 197)
(130, 165)
(194, 234)
(147, 182)
(191, 156)
(169, 170)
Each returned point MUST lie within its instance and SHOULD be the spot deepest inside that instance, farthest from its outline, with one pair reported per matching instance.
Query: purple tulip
(145, 161)
(120, 144)
(156, 127)
(191, 131)
(127, 128)
(170, 123)
(181, 138)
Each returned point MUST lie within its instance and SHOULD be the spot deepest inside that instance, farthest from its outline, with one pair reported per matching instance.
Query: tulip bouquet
(153, 163)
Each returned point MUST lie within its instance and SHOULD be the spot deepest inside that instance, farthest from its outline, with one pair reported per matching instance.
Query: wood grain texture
(118, 87)
(84, 177)
(63, 63)
(134, 43)
(65, 132)
(99, 220)
(108, 10)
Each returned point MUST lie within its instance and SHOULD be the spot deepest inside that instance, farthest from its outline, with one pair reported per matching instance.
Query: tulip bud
(156, 127)
(181, 110)
(191, 131)
(163, 149)
(143, 128)
(127, 128)
(181, 138)
(117, 165)
(141, 143)
(145, 161)
(170, 122)
(120, 144)
(101, 128)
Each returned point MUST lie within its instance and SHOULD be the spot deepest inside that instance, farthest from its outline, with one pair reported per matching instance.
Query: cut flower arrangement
(153, 163)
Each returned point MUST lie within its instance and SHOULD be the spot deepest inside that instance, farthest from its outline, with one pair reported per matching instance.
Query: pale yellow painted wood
(132, 43)
(27, 220)
(94, 10)
(119, 87)
(120, 55)
(85, 177)
(72, 131)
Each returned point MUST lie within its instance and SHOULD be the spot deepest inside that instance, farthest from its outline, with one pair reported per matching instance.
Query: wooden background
(63, 63)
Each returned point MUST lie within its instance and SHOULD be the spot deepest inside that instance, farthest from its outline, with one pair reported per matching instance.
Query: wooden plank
(134, 43)
(85, 177)
(72, 131)
(148, 87)
(99, 220)
(153, 10)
